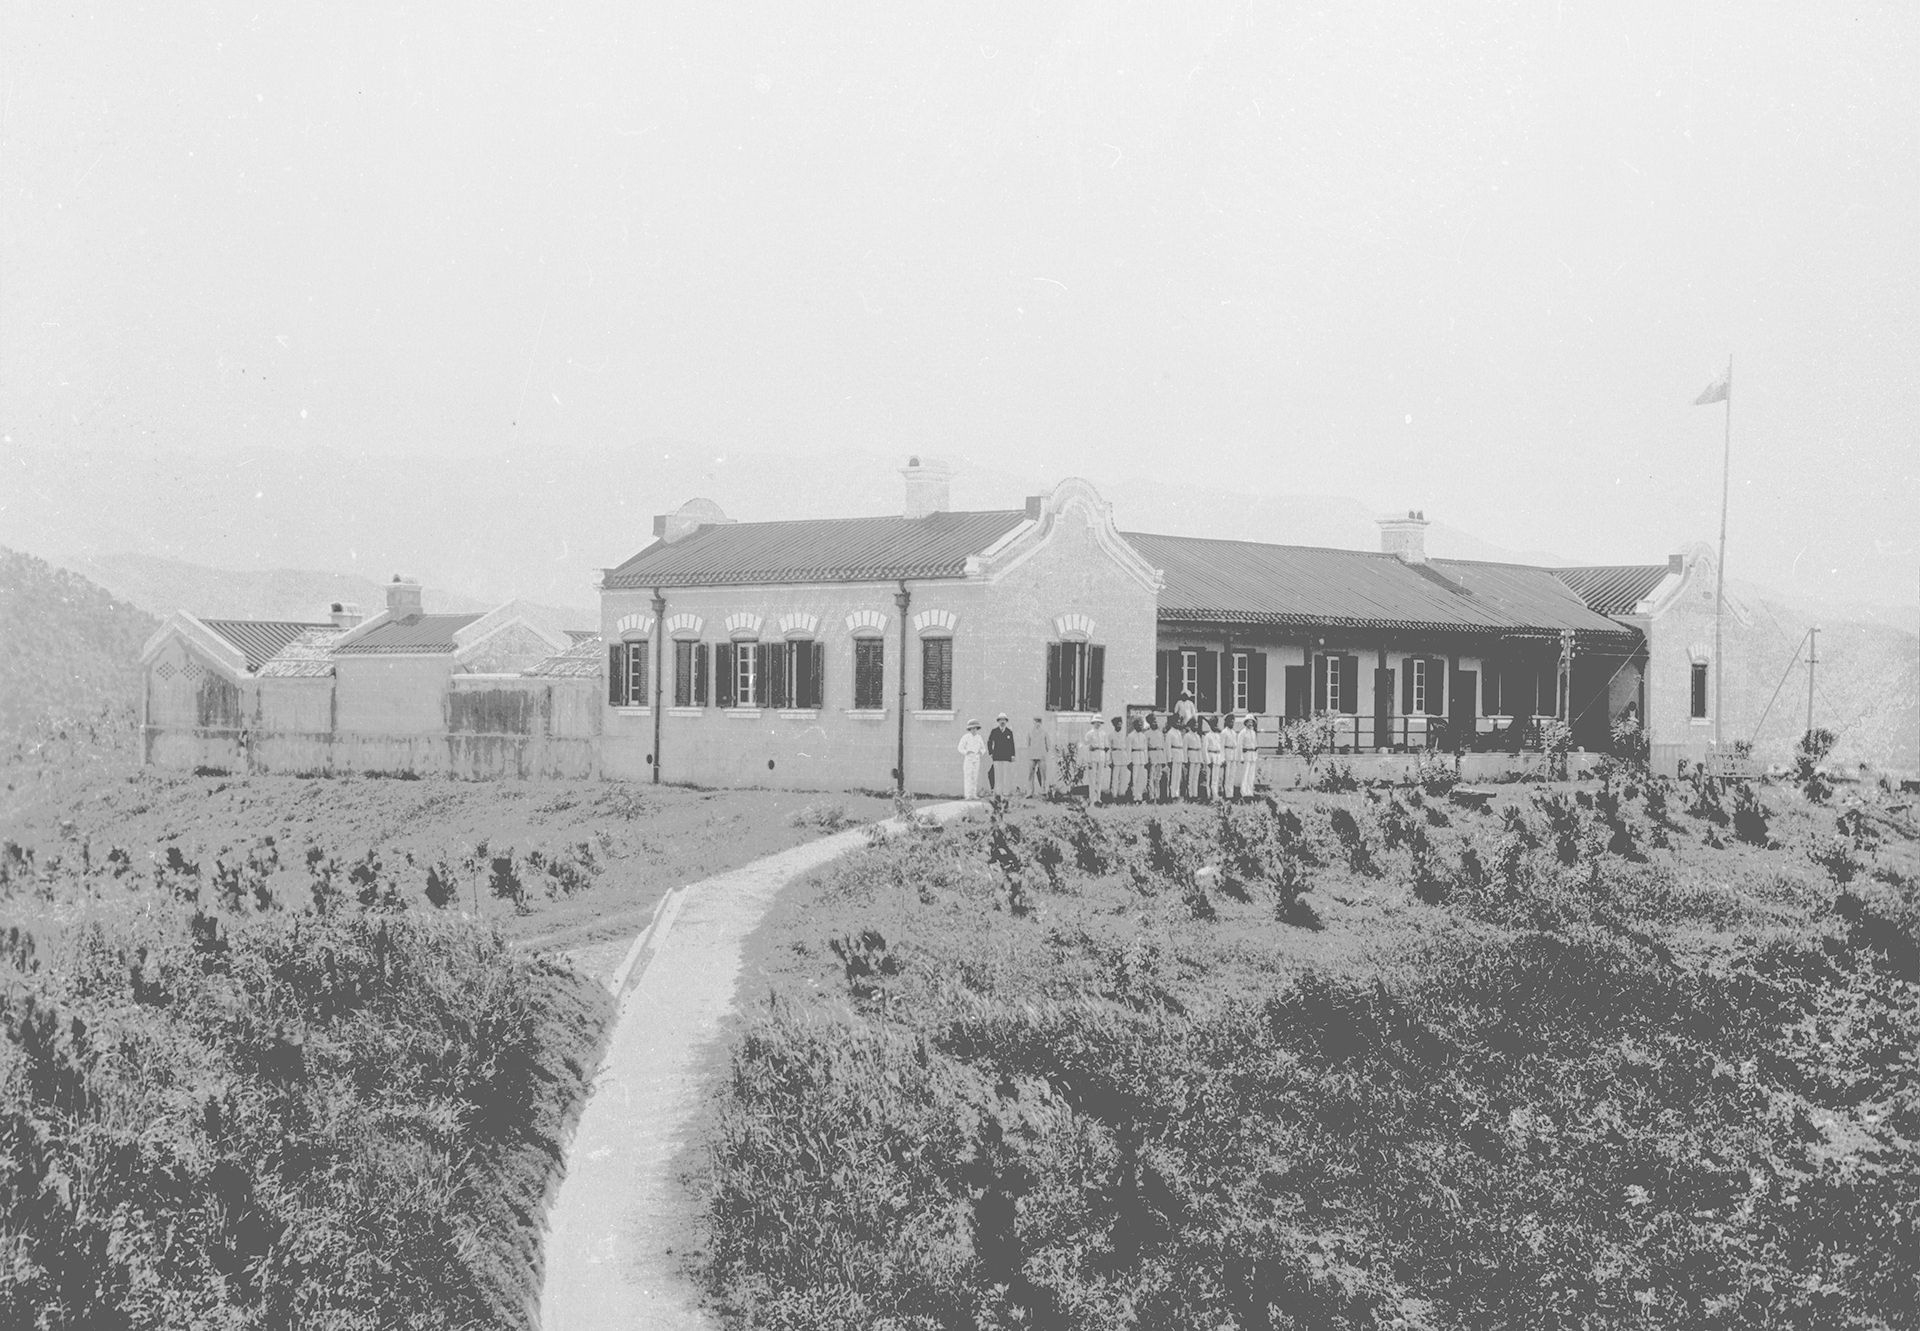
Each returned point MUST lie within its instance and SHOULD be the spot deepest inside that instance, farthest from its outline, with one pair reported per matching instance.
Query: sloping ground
(67, 647)
(1566, 1062)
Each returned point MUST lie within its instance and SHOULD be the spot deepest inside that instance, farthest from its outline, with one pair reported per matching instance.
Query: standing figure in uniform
(1156, 757)
(1039, 759)
(1000, 754)
(1098, 743)
(1229, 756)
(972, 750)
(1216, 760)
(1191, 752)
(1249, 755)
(1116, 757)
(1184, 711)
(1136, 763)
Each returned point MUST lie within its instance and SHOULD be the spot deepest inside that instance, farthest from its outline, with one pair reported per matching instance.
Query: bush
(1750, 817)
(1435, 774)
(822, 817)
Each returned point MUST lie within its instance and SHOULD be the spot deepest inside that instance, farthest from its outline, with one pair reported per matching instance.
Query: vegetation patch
(222, 1104)
(1089, 1068)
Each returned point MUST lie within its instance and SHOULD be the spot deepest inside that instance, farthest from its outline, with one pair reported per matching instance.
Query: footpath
(622, 1219)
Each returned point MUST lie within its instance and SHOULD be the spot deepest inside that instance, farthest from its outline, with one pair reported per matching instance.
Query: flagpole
(1720, 572)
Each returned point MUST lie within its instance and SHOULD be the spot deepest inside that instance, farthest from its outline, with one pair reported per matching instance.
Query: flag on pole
(1717, 391)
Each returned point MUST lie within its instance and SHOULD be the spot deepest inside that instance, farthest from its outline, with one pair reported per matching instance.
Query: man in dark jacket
(1000, 754)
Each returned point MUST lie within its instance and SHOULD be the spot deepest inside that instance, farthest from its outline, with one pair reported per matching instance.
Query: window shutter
(773, 674)
(700, 691)
(815, 675)
(637, 664)
(1207, 696)
(1466, 689)
(1096, 678)
(616, 675)
(1436, 686)
(1257, 682)
(723, 675)
(1350, 685)
(1406, 687)
(1054, 654)
(1321, 666)
(945, 658)
(1165, 686)
(762, 663)
(1299, 691)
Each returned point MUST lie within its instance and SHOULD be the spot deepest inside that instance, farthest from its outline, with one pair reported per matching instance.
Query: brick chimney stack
(929, 483)
(345, 614)
(1405, 537)
(403, 598)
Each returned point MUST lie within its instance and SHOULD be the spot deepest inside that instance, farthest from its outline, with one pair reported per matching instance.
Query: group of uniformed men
(1191, 757)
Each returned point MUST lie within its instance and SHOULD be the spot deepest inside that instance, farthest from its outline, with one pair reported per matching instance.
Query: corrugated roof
(586, 659)
(415, 635)
(1528, 597)
(260, 640)
(1613, 589)
(818, 550)
(1251, 582)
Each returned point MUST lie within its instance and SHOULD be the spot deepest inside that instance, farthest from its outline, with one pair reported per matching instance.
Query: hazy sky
(1478, 260)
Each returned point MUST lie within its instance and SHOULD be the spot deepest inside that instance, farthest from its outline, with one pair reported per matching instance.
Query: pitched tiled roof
(1251, 582)
(584, 660)
(309, 656)
(584, 635)
(1613, 589)
(415, 635)
(1528, 597)
(259, 640)
(818, 550)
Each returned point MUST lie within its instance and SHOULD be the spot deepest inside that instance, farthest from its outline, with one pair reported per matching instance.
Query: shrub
(1556, 741)
(1750, 817)
(1436, 774)
(1704, 796)
(822, 817)
(1353, 842)
(1836, 856)
(1336, 778)
(1565, 825)
(1808, 754)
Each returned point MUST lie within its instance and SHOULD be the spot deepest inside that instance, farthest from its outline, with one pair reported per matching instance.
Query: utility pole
(1720, 570)
(1813, 643)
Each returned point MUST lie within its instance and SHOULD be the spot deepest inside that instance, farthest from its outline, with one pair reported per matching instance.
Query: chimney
(928, 482)
(689, 518)
(345, 615)
(403, 598)
(1676, 563)
(1405, 537)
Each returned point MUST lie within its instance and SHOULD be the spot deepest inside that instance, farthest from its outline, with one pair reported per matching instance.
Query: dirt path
(622, 1218)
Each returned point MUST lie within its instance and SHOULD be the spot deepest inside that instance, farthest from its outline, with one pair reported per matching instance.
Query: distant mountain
(162, 586)
(67, 647)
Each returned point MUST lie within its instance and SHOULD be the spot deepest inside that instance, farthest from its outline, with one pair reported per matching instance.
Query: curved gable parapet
(1692, 586)
(1073, 502)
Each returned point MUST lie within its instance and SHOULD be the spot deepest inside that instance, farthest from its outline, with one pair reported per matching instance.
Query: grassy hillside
(1621, 1057)
(67, 647)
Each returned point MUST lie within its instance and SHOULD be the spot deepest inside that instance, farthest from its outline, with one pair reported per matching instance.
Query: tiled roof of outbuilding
(260, 640)
(818, 550)
(415, 635)
(584, 660)
(1613, 589)
(309, 656)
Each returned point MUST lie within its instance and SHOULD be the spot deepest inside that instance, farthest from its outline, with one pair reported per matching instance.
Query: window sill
(743, 713)
(627, 709)
(1077, 718)
(798, 713)
(934, 716)
(686, 711)
(1701, 721)
(867, 713)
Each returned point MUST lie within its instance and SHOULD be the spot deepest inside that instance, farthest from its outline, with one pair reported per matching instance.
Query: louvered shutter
(1406, 687)
(773, 674)
(1054, 671)
(1436, 686)
(617, 675)
(817, 675)
(1350, 685)
(1257, 682)
(1096, 679)
(1165, 685)
(723, 675)
(700, 658)
(1207, 696)
(1322, 668)
(1299, 691)
(762, 667)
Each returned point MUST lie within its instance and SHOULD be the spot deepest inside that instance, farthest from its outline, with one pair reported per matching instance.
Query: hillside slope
(67, 646)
